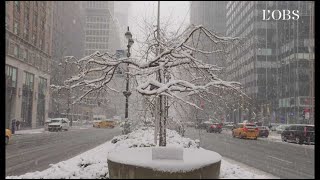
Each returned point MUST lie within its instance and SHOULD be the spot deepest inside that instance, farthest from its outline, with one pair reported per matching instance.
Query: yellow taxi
(104, 124)
(245, 130)
(8, 135)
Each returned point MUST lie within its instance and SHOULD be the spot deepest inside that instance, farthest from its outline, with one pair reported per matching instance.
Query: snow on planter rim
(142, 157)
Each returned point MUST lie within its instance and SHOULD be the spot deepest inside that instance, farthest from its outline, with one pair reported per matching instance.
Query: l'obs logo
(280, 15)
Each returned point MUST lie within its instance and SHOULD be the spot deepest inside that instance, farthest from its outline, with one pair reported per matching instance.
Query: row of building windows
(96, 46)
(24, 54)
(97, 25)
(97, 32)
(91, 19)
(11, 80)
(96, 4)
(97, 39)
(39, 42)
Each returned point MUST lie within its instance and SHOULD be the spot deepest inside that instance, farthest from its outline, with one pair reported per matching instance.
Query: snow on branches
(176, 54)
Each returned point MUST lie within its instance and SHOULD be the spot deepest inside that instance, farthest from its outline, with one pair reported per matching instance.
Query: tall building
(273, 62)
(99, 26)
(211, 15)
(103, 33)
(68, 40)
(28, 60)
(121, 11)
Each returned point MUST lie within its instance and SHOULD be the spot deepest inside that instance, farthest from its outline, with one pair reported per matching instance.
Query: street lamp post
(127, 93)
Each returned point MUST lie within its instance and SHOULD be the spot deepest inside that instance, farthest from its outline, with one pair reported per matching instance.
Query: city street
(35, 152)
(285, 160)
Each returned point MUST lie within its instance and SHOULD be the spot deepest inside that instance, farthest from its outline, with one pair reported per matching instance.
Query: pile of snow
(93, 163)
(142, 157)
(143, 137)
(173, 153)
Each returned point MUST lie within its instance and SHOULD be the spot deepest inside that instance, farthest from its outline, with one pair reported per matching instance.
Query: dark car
(299, 133)
(215, 127)
(263, 131)
(203, 124)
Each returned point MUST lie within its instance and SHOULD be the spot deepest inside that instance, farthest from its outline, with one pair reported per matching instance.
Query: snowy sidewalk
(41, 130)
(29, 131)
(93, 163)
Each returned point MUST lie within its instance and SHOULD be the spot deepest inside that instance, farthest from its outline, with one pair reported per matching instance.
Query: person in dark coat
(18, 125)
(13, 126)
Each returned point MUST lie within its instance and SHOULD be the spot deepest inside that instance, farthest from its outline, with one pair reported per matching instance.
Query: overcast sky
(177, 12)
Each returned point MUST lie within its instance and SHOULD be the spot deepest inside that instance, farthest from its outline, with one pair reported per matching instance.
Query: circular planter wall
(137, 163)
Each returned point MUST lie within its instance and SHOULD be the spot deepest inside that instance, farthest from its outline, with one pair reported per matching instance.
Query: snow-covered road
(33, 150)
(93, 163)
(285, 160)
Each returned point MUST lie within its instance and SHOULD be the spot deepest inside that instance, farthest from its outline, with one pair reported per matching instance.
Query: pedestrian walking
(13, 126)
(18, 125)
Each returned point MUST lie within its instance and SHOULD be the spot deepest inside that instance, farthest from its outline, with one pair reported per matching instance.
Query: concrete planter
(121, 166)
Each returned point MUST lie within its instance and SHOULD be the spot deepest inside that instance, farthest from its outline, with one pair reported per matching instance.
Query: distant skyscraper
(212, 15)
(103, 33)
(68, 40)
(99, 26)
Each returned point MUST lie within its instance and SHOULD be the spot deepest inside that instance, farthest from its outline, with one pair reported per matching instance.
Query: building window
(15, 50)
(35, 18)
(29, 79)
(20, 50)
(17, 6)
(7, 22)
(34, 38)
(25, 55)
(11, 76)
(16, 27)
(27, 99)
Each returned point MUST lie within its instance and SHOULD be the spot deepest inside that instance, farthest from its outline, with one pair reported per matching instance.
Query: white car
(46, 123)
(281, 128)
(59, 124)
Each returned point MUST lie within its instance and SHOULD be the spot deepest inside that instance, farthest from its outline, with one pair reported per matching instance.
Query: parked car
(281, 128)
(8, 135)
(299, 133)
(204, 125)
(245, 130)
(263, 131)
(215, 127)
(228, 125)
(273, 126)
(46, 124)
(59, 124)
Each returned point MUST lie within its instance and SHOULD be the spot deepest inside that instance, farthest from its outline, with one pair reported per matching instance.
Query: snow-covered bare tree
(188, 76)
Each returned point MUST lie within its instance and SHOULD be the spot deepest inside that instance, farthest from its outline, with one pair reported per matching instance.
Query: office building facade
(273, 62)
(28, 61)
